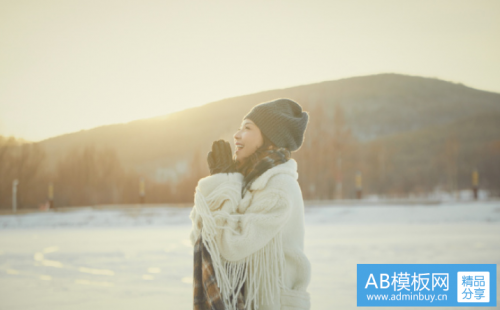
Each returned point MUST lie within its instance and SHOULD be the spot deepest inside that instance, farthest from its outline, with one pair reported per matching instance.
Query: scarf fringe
(266, 266)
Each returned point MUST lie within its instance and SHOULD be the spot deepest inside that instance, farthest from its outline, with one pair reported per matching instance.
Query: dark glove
(220, 158)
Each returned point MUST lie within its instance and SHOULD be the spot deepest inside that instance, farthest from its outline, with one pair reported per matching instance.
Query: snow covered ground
(134, 258)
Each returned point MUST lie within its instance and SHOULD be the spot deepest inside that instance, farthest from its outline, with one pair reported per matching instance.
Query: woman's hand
(220, 158)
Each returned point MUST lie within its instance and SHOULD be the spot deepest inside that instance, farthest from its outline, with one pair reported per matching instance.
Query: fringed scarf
(261, 274)
(207, 294)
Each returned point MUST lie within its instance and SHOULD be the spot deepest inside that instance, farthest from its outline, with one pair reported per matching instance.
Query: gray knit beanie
(282, 121)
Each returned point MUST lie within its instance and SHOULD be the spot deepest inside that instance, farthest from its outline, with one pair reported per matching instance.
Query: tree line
(328, 161)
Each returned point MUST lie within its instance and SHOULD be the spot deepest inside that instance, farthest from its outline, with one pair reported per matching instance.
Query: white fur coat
(257, 239)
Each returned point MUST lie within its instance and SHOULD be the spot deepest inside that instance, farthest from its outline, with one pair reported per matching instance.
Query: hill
(376, 106)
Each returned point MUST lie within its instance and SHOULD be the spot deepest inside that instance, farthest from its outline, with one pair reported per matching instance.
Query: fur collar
(289, 167)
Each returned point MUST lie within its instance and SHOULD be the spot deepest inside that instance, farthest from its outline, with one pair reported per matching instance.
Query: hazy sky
(72, 65)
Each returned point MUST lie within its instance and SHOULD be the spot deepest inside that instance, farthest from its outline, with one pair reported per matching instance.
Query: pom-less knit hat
(282, 121)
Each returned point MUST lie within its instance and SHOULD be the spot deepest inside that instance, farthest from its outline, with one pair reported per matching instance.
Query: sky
(66, 66)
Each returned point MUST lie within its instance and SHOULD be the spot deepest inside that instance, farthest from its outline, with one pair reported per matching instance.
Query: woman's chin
(240, 158)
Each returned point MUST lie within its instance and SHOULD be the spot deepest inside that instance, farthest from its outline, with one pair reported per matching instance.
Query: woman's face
(247, 140)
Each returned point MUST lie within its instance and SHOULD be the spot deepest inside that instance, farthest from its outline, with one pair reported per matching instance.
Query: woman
(249, 213)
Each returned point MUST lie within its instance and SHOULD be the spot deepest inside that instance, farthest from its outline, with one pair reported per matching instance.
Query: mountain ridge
(375, 106)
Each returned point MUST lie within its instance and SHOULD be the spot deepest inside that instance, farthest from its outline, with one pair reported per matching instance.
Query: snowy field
(135, 258)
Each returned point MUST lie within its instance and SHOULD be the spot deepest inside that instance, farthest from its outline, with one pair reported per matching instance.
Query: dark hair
(248, 166)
